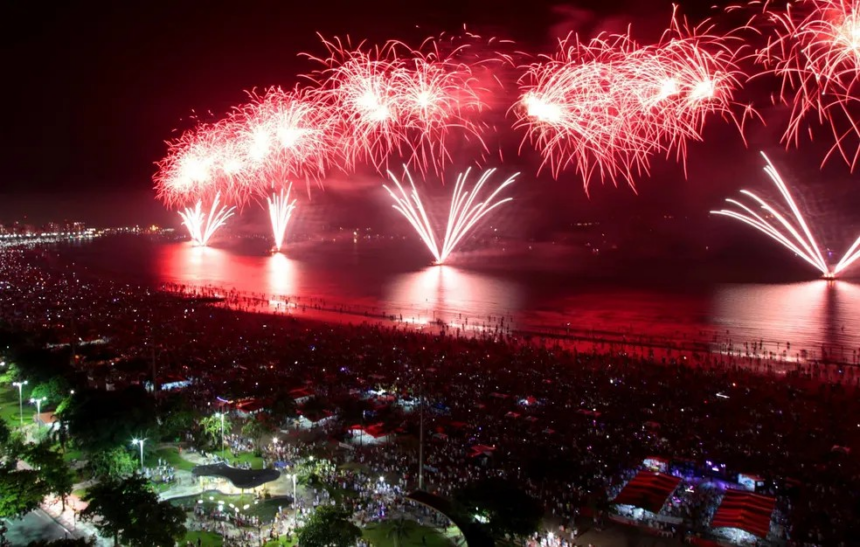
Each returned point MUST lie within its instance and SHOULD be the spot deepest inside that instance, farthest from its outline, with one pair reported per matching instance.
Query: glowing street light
(139, 442)
(20, 385)
(38, 402)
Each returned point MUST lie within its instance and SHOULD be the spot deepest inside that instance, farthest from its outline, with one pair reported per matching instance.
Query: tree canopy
(54, 390)
(499, 507)
(116, 462)
(211, 426)
(329, 527)
(128, 510)
(53, 470)
(102, 420)
(20, 492)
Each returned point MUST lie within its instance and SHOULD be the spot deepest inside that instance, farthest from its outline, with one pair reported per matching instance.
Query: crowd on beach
(567, 422)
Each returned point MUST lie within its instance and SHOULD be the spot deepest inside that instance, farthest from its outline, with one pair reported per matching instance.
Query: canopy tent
(745, 510)
(648, 490)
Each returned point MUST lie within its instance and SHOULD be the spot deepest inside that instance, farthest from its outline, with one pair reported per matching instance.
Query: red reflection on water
(281, 275)
(815, 316)
(448, 293)
(188, 264)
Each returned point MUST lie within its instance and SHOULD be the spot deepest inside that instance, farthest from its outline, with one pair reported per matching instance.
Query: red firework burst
(607, 105)
(282, 135)
(397, 101)
(814, 48)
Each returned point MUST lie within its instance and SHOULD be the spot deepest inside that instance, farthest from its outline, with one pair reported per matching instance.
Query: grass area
(171, 456)
(282, 542)
(160, 487)
(207, 539)
(72, 454)
(415, 535)
(79, 493)
(9, 410)
(248, 457)
(265, 509)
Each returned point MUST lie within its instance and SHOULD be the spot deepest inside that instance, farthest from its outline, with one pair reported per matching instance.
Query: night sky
(93, 89)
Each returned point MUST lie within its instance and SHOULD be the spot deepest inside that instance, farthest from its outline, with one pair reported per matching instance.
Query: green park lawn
(207, 539)
(377, 535)
(9, 410)
(248, 457)
(171, 456)
(282, 542)
(72, 454)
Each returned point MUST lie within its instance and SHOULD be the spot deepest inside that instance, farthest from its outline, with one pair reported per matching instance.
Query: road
(36, 525)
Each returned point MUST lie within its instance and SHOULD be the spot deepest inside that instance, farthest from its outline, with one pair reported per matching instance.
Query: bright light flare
(280, 211)
(202, 226)
(791, 231)
(464, 212)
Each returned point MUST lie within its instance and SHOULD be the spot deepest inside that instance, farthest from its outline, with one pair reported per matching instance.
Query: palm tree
(399, 530)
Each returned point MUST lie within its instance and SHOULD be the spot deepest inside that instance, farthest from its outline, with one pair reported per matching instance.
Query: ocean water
(540, 296)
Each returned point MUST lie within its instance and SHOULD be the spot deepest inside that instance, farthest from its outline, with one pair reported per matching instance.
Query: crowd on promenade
(566, 424)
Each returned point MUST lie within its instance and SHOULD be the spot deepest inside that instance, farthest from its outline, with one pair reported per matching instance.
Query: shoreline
(666, 341)
(696, 352)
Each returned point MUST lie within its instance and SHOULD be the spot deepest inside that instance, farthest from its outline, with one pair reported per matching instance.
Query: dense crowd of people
(567, 423)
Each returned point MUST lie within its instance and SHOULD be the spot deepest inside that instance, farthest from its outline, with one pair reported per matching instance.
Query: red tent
(745, 510)
(648, 490)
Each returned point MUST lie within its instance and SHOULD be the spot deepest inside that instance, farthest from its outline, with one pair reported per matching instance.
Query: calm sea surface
(393, 277)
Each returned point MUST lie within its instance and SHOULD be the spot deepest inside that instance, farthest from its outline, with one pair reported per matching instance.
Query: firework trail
(608, 105)
(201, 226)
(792, 232)
(397, 101)
(280, 211)
(463, 215)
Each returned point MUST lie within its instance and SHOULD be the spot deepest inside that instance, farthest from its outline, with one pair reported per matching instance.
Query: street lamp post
(139, 442)
(38, 402)
(20, 386)
(221, 415)
(293, 476)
